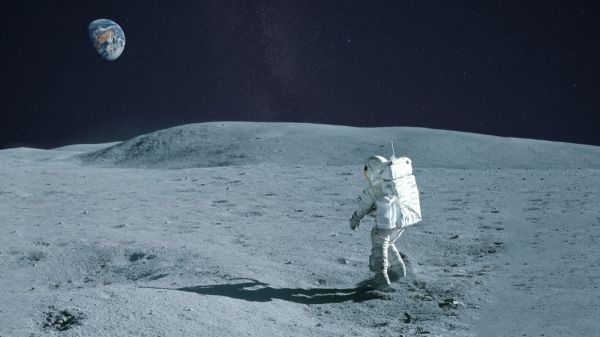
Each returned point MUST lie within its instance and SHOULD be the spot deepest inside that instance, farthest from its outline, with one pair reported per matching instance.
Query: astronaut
(377, 201)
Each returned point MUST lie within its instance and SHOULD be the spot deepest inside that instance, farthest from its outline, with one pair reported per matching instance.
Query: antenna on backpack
(393, 152)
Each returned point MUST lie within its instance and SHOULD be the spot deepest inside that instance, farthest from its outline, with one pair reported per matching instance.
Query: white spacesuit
(391, 197)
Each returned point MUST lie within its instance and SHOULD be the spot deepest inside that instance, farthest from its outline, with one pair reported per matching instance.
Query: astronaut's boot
(381, 282)
(397, 268)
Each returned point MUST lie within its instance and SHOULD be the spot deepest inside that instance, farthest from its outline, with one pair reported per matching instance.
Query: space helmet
(374, 166)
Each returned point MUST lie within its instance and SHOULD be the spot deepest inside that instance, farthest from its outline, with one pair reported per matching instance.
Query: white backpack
(399, 205)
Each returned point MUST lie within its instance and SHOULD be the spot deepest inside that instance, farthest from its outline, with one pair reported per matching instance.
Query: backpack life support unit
(399, 205)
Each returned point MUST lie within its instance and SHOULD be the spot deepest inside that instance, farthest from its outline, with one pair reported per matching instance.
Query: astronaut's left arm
(366, 205)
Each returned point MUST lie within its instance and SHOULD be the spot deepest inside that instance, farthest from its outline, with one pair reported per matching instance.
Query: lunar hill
(245, 143)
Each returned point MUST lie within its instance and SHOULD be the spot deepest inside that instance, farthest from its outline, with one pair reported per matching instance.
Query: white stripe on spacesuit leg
(396, 235)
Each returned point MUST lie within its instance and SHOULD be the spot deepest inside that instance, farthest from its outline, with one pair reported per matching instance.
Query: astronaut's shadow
(255, 291)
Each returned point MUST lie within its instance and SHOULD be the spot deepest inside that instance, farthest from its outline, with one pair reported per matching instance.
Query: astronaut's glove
(354, 221)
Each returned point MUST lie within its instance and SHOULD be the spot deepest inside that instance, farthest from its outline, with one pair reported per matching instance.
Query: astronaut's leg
(380, 239)
(396, 268)
(373, 250)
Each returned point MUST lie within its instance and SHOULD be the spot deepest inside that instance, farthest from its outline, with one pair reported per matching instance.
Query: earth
(107, 37)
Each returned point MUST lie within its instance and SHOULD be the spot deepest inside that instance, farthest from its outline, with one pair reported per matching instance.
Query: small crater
(380, 324)
(422, 331)
(254, 213)
(36, 256)
(62, 320)
(136, 256)
(449, 304)
(156, 277)
(136, 276)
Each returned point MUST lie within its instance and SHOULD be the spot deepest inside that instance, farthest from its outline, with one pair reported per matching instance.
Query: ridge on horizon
(243, 143)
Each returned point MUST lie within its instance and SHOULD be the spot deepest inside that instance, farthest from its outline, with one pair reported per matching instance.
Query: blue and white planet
(107, 37)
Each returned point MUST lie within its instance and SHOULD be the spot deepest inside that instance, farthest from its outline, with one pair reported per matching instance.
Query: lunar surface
(241, 229)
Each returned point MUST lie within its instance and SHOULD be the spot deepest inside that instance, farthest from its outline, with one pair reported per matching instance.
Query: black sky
(512, 68)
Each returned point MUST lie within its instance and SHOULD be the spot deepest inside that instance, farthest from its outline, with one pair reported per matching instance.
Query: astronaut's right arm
(366, 204)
